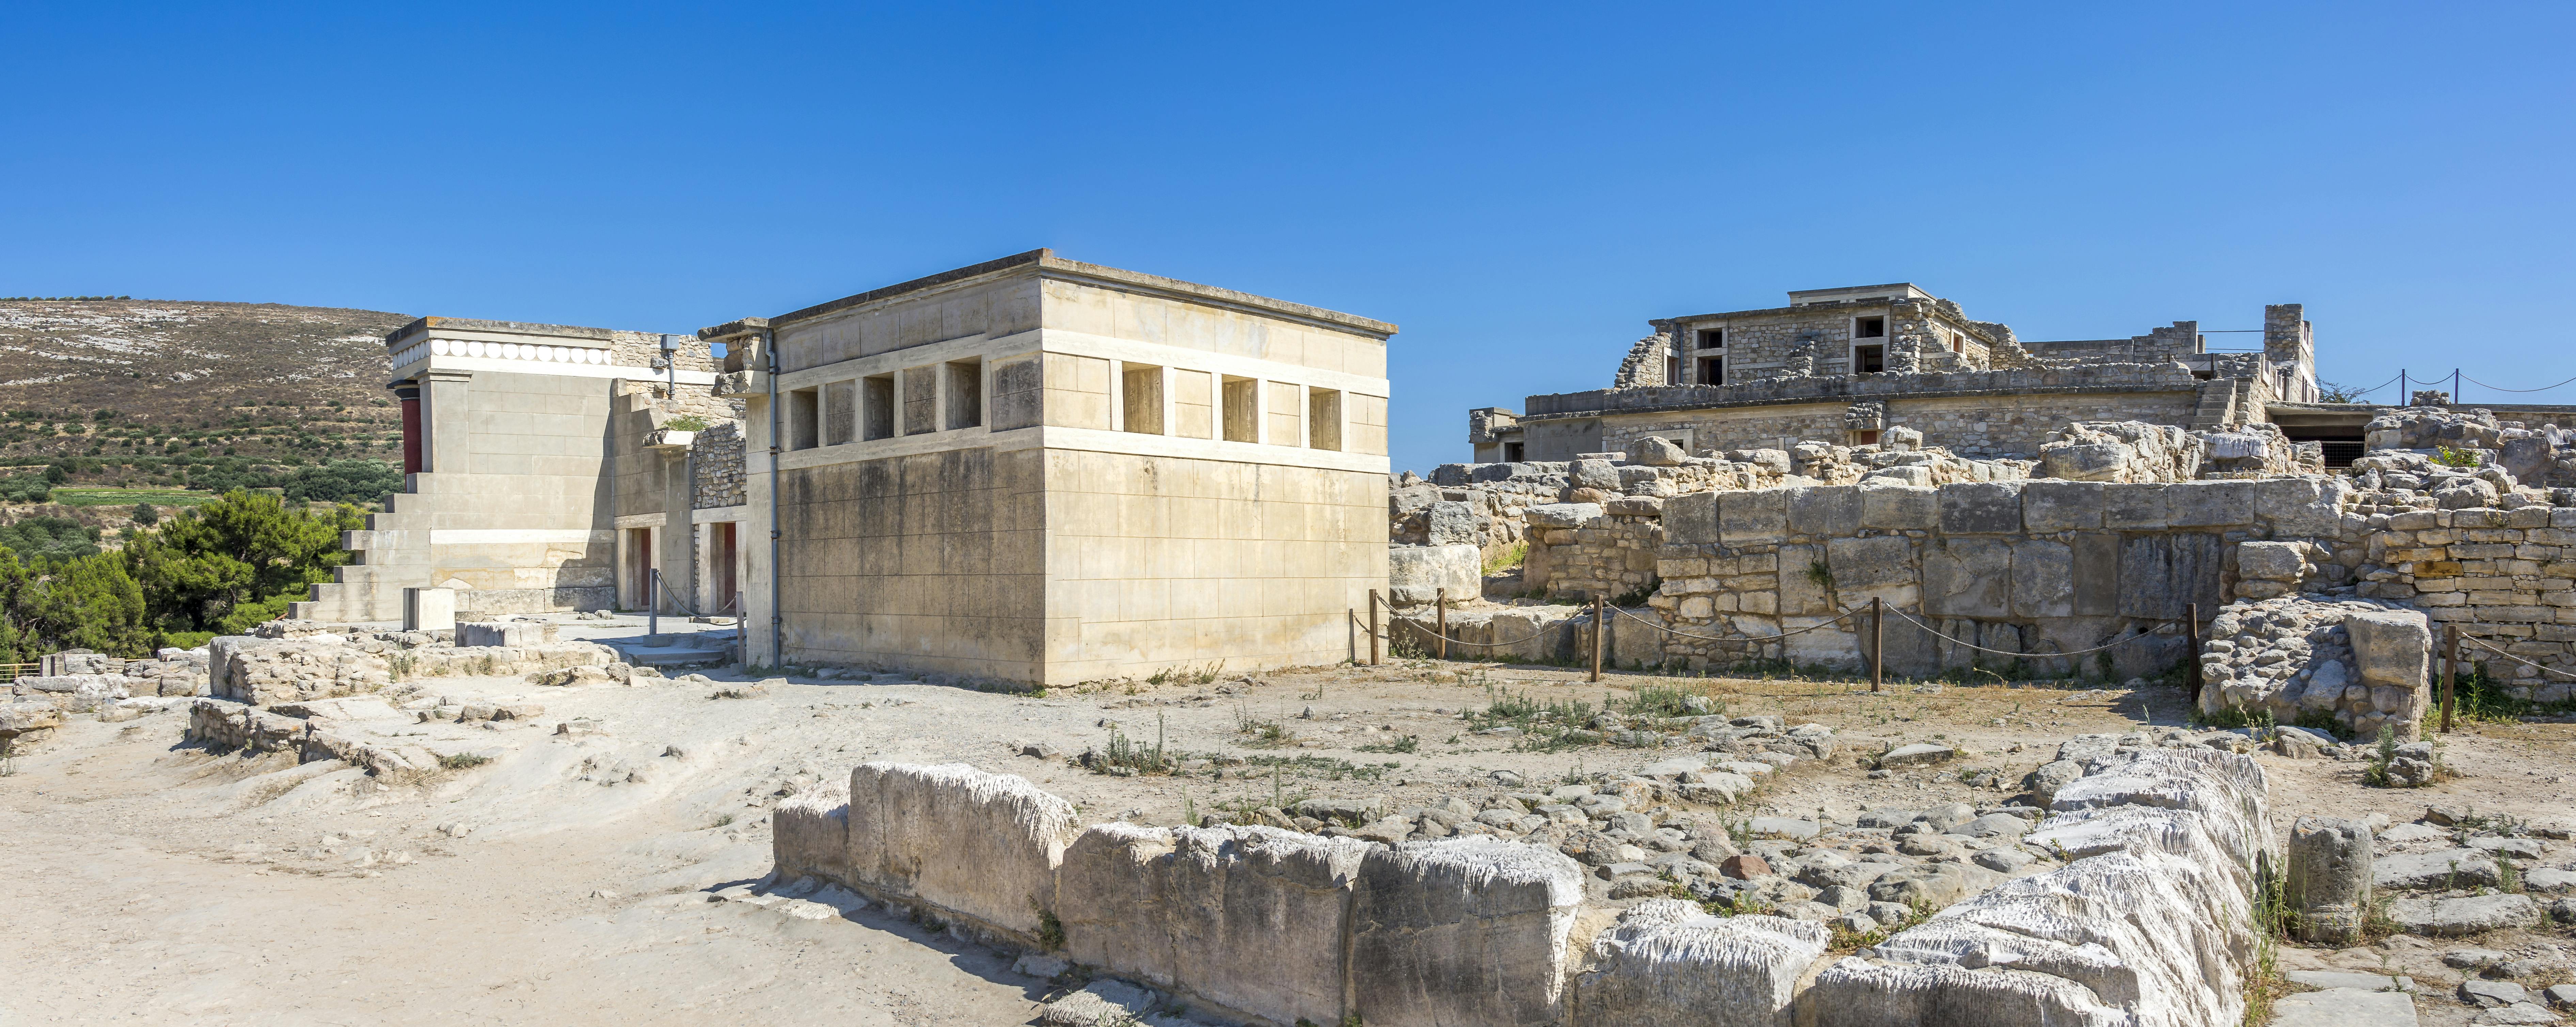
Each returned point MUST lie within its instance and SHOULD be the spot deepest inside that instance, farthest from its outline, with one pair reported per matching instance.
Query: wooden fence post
(2450, 671)
(1597, 610)
(1442, 599)
(1372, 628)
(1877, 641)
(2191, 629)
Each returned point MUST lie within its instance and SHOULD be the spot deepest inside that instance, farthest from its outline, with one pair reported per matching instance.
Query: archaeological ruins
(1969, 680)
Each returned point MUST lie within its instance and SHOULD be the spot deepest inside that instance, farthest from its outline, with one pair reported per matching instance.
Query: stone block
(1827, 511)
(1899, 508)
(2209, 504)
(809, 833)
(1450, 522)
(2270, 561)
(2097, 575)
(1981, 508)
(2161, 574)
(1878, 565)
(2453, 918)
(2329, 877)
(2345, 1007)
(1753, 518)
(1691, 519)
(1249, 918)
(2043, 579)
(2134, 506)
(1801, 593)
(1670, 964)
(1462, 931)
(1417, 574)
(2391, 647)
(429, 609)
(1562, 515)
(1594, 474)
(1968, 577)
(2301, 507)
(2049, 505)
(974, 844)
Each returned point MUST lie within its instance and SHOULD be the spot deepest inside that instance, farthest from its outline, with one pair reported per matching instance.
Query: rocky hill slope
(119, 379)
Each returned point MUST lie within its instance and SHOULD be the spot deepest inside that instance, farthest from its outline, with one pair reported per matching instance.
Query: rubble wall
(2504, 577)
(1979, 424)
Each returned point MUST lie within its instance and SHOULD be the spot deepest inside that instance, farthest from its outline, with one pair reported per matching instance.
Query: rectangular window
(1869, 328)
(1511, 452)
(1864, 438)
(840, 412)
(876, 394)
(1958, 344)
(1143, 400)
(1242, 410)
(1869, 359)
(1712, 338)
(1712, 371)
(804, 428)
(1323, 419)
(965, 393)
(920, 400)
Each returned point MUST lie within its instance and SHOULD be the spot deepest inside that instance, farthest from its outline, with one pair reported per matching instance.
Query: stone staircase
(2218, 402)
(392, 553)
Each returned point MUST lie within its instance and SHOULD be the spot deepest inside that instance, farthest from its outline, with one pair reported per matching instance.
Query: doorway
(720, 550)
(639, 568)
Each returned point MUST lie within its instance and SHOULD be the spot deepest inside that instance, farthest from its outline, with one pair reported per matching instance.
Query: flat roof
(1045, 261)
(468, 324)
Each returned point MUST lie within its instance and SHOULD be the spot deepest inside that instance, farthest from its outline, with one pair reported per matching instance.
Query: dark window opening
(1512, 452)
(1958, 344)
(1864, 438)
(1712, 338)
(1869, 328)
(1712, 370)
(1672, 370)
(1869, 359)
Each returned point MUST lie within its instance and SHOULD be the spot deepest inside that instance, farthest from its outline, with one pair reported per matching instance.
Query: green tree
(237, 561)
(86, 603)
(344, 481)
(146, 514)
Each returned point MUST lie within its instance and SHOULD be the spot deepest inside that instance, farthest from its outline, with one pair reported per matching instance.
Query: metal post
(1441, 599)
(1597, 611)
(653, 602)
(2403, 399)
(2191, 627)
(2455, 386)
(1373, 627)
(1877, 641)
(2450, 671)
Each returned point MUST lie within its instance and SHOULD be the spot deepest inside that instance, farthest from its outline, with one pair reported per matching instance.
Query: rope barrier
(1428, 630)
(2500, 388)
(2481, 643)
(1757, 639)
(1928, 629)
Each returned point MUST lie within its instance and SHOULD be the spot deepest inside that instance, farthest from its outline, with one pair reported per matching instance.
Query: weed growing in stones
(2376, 773)
(2273, 920)
(1847, 940)
(1406, 744)
(463, 760)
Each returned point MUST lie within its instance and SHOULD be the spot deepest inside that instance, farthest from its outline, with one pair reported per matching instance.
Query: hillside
(122, 390)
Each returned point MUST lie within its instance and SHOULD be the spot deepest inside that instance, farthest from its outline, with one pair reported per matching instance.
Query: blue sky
(1519, 187)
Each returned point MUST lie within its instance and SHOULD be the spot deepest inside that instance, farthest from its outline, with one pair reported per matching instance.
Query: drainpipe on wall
(777, 619)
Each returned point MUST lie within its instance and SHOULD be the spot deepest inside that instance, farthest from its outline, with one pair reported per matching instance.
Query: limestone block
(2440, 869)
(1904, 474)
(972, 843)
(1751, 518)
(2307, 507)
(1462, 931)
(2329, 877)
(1856, 992)
(2452, 918)
(2134, 506)
(1594, 474)
(1249, 918)
(1416, 574)
(2161, 574)
(2096, 461)
(810, 833)
(2043, 579)
(1669, 964)
(1450, 522)
(1981, 508)
(1691, 519)
(1827, 511)
(1561, 515)
(2209, 504)
(505, 633)
(2391, 647)
(2270, 561)
(1800, 591)
(2097, 575)
(1873, 566)
(2061, 506)
(1899, 507)
(1968, 577)
(1656, 452)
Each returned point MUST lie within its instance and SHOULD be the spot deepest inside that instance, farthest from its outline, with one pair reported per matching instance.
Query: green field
(129, 497)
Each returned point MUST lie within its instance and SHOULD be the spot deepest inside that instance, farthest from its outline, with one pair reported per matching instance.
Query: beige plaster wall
(1095, 309)
(1156, 562)
(989, 307)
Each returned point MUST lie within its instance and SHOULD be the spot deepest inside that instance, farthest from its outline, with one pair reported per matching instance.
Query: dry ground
(568, 879)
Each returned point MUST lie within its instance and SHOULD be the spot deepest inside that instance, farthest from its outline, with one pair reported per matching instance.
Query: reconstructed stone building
(1845, 364)
(1031, 469)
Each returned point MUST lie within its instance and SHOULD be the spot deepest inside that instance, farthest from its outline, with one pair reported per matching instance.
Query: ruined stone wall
(1977, 425)
(2504, 577)
(720, 471)
(2028, 568)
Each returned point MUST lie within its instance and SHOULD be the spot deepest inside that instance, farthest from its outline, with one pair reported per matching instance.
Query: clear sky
(1518, 187)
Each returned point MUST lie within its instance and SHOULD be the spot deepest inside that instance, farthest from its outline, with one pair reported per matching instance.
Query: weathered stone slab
(2391, 647)
(1690, 519)
(1981, 508)
(1462, 931)
(2050, 505)
(2097, 575)
(2161, 574)
(1562, 515)
(809, 833)
(1752, 518)
(2133, 506)
(1825, 511)
(2344, 1007)
(2329, 877)
(1899, 507)
(1968, 577)
(1669, 964)
(2451, 918)
(2043, 579)
(1417, 574)
(2209, 504)
(972, 843)
(1249, 918)
(1877, 565)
